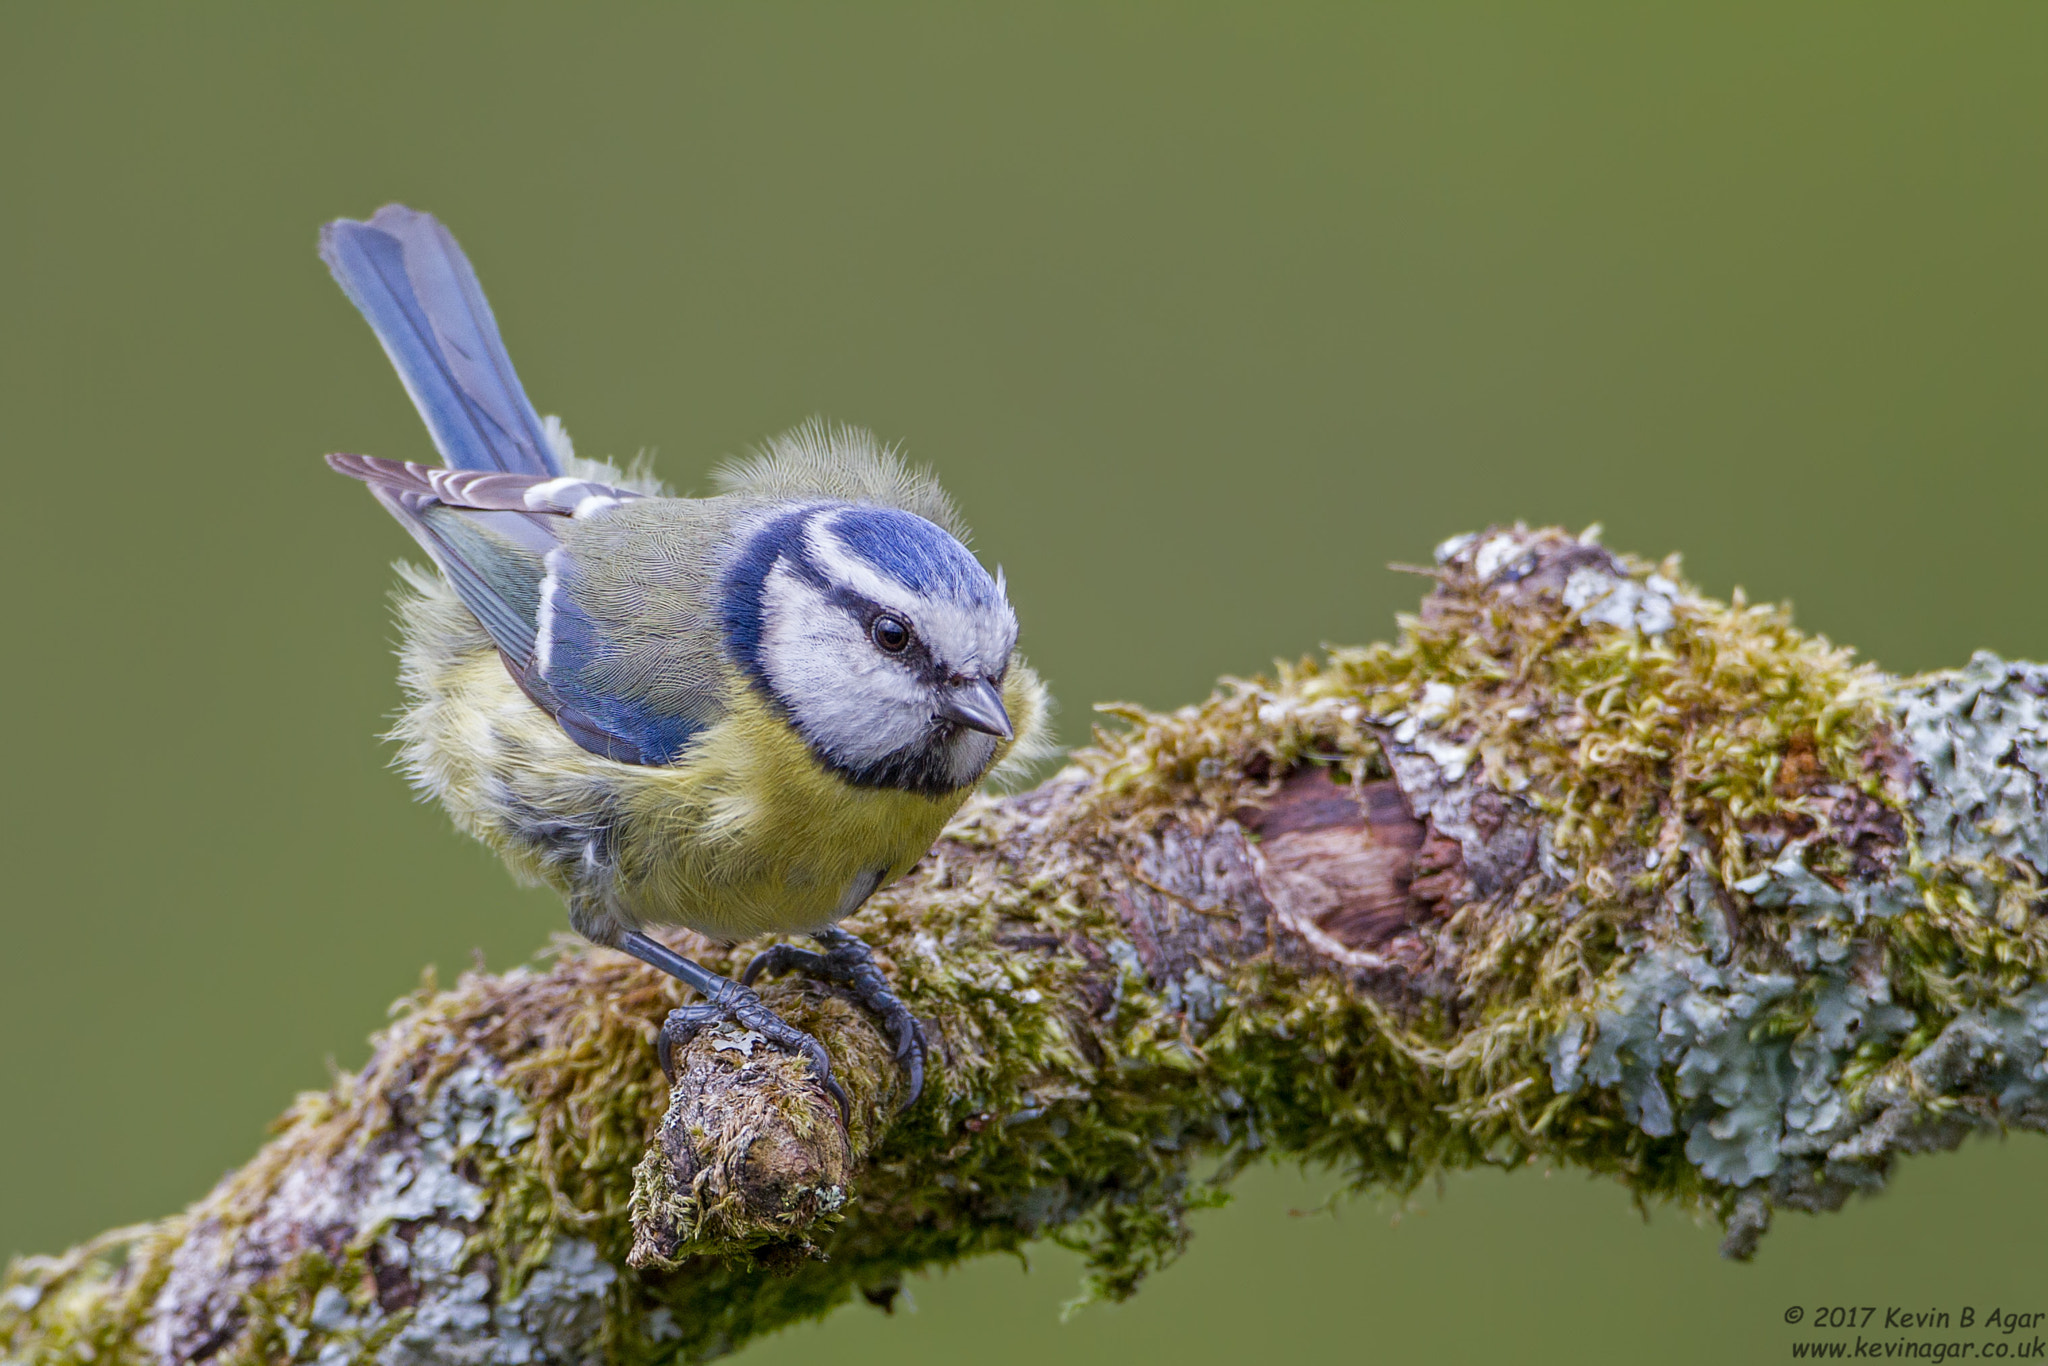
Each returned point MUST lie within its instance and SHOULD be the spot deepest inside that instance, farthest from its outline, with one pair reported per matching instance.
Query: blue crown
(915, 553)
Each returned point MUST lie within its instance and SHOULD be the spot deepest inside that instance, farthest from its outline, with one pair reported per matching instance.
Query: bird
(743, 713)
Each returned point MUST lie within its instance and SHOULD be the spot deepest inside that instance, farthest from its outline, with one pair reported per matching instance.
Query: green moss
(1719, 759)
(86, 1305)
(1704, 745)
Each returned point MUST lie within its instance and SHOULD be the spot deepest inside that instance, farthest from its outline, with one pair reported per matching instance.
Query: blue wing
(496, 538)
(404, 271)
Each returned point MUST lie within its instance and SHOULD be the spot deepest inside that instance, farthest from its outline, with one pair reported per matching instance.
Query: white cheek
(849, 700)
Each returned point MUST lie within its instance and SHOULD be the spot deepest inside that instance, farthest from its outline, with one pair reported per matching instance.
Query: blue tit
(741, 713)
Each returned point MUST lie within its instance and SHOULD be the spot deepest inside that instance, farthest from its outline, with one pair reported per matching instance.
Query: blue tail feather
(403, 270)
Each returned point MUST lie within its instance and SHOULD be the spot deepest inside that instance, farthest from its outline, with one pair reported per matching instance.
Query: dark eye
(890, 633)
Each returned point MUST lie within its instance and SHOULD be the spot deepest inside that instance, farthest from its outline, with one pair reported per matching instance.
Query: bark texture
(1583, 869)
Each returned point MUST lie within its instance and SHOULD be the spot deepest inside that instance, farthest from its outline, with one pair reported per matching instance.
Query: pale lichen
(1702, 903)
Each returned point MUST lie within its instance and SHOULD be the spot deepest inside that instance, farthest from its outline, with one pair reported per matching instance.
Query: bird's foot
(848, 960)
(734, 1002)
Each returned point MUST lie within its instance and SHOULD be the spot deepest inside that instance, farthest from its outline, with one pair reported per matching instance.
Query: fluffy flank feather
(818, 459)
(437, 636)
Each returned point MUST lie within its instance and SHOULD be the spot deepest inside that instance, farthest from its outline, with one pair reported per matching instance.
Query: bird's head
(881, 638)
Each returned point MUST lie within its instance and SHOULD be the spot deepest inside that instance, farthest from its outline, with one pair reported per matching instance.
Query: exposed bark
(1586, 870)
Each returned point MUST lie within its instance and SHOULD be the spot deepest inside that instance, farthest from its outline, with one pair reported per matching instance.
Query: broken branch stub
(751, 1150)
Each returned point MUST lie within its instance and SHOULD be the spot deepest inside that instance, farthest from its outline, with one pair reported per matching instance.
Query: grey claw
(911, 1054)
(838, 1094)
(780, 958)
(682, 1025)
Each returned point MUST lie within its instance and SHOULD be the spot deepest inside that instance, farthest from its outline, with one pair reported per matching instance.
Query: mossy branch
(1584, 869)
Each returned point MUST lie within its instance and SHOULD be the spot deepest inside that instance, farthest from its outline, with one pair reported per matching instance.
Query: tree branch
(1584, 869)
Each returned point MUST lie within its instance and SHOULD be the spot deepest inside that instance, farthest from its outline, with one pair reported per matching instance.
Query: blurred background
(1205, 315)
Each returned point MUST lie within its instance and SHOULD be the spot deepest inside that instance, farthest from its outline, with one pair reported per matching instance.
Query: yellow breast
(750, 833)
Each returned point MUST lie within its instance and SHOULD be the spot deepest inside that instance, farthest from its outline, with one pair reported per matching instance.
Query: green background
(1204, 315)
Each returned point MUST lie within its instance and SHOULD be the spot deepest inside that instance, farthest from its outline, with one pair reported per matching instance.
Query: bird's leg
(847, 959)
(724, 999)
